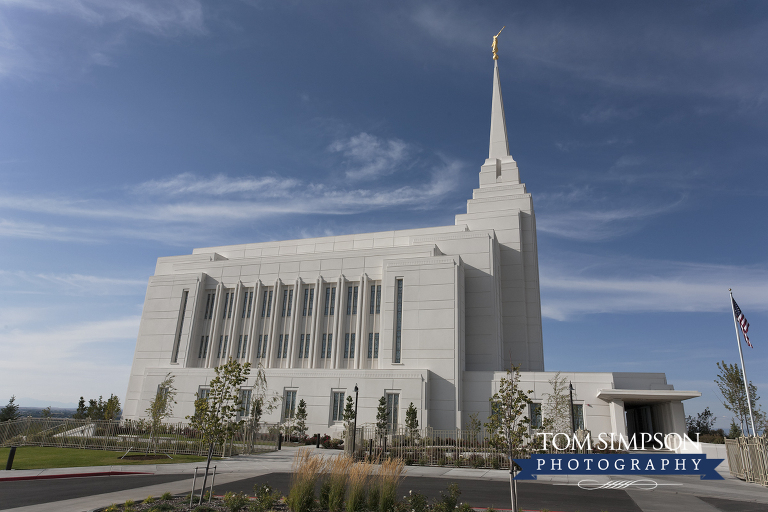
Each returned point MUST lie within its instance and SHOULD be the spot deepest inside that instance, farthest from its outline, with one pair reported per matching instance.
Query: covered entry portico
(649, 411)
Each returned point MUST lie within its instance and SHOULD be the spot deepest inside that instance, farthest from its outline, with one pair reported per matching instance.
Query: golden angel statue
(495, 45)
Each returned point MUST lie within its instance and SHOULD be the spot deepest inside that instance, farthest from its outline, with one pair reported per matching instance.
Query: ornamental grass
(359, 475)
(307, 469)
(390, 474)
(338, 474)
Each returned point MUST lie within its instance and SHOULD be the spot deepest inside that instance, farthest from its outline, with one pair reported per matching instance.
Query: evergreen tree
(301, 419)
(112, 409)
(349, 415)
(11, 411)
(82, 411)
(735, 431)
(411, 423)
(382, 417)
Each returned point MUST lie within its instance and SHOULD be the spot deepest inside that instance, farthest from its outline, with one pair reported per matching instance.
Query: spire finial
(499, 148)
(495, 45)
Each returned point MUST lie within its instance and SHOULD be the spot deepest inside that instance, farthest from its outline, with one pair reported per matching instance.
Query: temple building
(431, 316)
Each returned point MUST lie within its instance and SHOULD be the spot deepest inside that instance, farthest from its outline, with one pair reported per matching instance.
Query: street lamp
(354, 432)
(573, 420)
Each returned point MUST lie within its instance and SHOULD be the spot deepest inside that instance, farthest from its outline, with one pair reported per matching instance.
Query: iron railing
(748, 458)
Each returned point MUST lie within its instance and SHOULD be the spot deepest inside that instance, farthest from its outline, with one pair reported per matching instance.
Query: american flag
(742, 321)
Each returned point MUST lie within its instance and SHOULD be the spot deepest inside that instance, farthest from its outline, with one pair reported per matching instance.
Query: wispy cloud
(69, 284)
(370, 157)
(587, 284)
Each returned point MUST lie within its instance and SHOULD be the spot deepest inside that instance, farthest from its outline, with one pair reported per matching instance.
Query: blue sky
(131, 130)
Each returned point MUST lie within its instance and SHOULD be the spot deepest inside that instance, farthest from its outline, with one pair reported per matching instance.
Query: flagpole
(743, 369)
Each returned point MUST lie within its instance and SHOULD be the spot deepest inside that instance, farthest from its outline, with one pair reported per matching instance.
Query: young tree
(11, 411)
(82, 411)
(46, 413)
(301, 419)
(382, 417)
(556, 410)
(112, 409)
(161, 407)
(348, 415)
(735, 431)
(411, 423)
(262, 399)
(733, 397)
(702, 423)
(215, 417)
(474, 426)
(507, 424)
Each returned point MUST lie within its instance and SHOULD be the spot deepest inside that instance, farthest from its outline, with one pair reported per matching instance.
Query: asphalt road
(21, 493)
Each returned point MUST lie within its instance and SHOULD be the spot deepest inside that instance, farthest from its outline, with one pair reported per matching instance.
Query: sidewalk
(674, 493)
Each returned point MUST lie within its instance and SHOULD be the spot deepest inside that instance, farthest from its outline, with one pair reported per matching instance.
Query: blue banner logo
(619, 464)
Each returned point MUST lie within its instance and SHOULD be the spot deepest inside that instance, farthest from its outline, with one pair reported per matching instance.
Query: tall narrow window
(290, 301)
(354, 301)
(333, 300)
(290, 404)
(376, 345)
(346, 346)
(352, 346)
(258, 347)
(264, 305)
(245, 344)
(285, 347)
(311, 300)
(399, 321)
(226, 300)
(280, 347)
(200, 352)
(250, 302)
(338, 406)
(306, 348)
(373, 298)
(231, 303)
(330, 344)
(175, 356)
(306, 301)
(349, 300)
(207, 304)
(322, 347)
(264, 347)
(578, 416)
(378, 299)
(205, 348)
(239, 346)
(221, 342)
(269, 304)
(327, 300)
(535, 415)
(370, 344)
(301, 346)
(393, 406)
(245, 305)
(285, 301)
(245, 404)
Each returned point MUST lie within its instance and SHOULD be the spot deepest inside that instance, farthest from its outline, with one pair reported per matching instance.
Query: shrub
(203, 508)
(166, 496)
(338, 473)
(129, 504)
(448, 501)
(417, 502)
(266, 498)
(162, 507)
(465, 507)
(307, 468)
(149, 499)
(235, 502)
(422, 461)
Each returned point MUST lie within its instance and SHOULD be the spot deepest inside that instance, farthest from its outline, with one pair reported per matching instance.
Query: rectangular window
(285, 301)
(285, 347)
(330, 344)
(333, 300)
(245, 404)
(378, 299)
(327, 300)
(376, 345)
(245, 344)
(245, 305)
(231, 303)
(352, 346)
(306, 301)
(207, 305)
(290, 404)
(311, 300)
(184, 296)
(578, 416)
(239, 346)
(346, 346)
(370, 345)
(373, 298)
(203, 393)
(399, 321)
(301, 346)
(269, 304)
(226, 299)
(264, 305)
(221, 342)
(535, 415)
(393, 406)
(338, 406)
(280, 347)
(290, 301)
(322, 347)
(258, 347)
(264, 347)
(349, 300)
(306, 348)
(200, 352)
(354, 301)
(250, 302)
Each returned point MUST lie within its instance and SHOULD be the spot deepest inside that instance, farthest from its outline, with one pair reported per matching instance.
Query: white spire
(499, 148)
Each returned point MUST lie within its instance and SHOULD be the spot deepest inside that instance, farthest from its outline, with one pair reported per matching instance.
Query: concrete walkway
(673, 493)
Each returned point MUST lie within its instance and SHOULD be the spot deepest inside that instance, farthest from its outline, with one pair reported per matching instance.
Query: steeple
(499, 147)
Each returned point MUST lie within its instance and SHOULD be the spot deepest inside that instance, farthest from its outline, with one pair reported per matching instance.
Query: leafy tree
(556, 410)
(11, 411)
(263, 400)
(474, 426)
(301, 419)
(735, 431)
(382, 417)
(349, 415)
(161, 406)
(411, 423)
(730, 382)
(112, 408)
(82, 411)
(215, 417)
(702, 423)
(46, 413)
(507, 424)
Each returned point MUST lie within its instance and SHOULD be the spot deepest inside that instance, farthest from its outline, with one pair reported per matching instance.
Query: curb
(75, 475)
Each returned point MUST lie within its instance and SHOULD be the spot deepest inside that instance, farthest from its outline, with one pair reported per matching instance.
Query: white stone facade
(430, 316)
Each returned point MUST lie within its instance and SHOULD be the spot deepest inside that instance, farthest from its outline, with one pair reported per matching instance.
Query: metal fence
(131, 436)
(428, 447)
(748, 458)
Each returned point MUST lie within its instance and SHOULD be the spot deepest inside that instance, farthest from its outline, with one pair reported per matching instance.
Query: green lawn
(37, 457)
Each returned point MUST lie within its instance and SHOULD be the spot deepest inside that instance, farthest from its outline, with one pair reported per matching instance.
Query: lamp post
(354, 432)
(573, 420)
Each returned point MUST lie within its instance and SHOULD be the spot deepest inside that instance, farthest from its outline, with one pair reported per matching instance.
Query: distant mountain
(34, 402)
